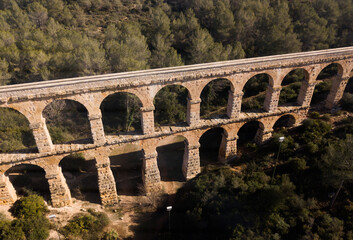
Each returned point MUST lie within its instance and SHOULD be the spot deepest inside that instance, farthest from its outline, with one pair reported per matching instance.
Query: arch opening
(247, 135)
(121, 113)
(285, 121)
(81, 177)
(330, 71)
(210, 143)
(325, 79)
(170, 158)
(214, 98)
(291, 86)
(170, 105)
(126, 164)
(15, 133)
(347, 98)
(67, 122)
(255, 92)
(27, 179)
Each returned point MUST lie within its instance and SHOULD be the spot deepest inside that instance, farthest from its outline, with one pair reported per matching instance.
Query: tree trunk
(336, 194)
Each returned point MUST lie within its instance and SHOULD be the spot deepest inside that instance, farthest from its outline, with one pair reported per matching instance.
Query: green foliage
(170, 105)
(337, 162)
(30, 222)
(9, 230)
(289, 93)
(34, 227)
(15, 133)
(55, 39)
(223, 204)
(129, 50)
(110, 235)
(314, 130)
(67, 120)
(30, 206)
(87, 226)
(215, 97)
(347, 101)
(121, 113)
(255, 85)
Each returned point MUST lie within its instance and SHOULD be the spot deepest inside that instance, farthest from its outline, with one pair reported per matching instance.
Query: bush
(111, 235)
(315, 115)
(34, 228)
(289, 93)
(314, 131)
(31, 223)
(347, 101)
(87, 226)
(30, 206)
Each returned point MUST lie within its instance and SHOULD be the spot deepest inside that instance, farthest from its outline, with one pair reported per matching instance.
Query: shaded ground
(127, 171)
(170, 162)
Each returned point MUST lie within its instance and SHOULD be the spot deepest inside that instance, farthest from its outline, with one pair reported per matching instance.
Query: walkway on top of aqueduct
(30, 99)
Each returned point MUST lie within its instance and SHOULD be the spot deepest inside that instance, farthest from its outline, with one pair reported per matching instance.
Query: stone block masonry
(30, 99)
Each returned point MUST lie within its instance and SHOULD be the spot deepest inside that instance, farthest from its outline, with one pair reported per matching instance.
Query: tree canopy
(43, 40)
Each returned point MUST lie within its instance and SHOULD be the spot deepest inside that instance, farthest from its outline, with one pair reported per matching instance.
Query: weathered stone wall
(30, 100)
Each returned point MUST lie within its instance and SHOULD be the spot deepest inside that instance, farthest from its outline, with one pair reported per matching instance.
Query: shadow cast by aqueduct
(32, 98)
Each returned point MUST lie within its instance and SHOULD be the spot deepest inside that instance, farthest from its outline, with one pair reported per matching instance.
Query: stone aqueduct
(30, 100)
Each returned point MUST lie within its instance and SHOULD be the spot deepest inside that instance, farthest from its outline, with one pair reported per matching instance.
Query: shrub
(315, 115)
(88, 226)
(9, 231)
(30, 206)
(31, 223)
(347, 101)
(34, 228)
(111, 235)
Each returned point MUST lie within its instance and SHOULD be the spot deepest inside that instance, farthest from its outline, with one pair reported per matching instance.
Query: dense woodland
(303, 193)
(50, 39)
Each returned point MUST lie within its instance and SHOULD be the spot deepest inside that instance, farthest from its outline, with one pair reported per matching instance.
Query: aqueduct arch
(255, 89)
(30, 100)
(217, 93)
(285, 121)
(22, 138)
(126, 163)
(121, 113)
(175, 98)
(72, 116)
(171, 152)
(28, 177)
(291, 84)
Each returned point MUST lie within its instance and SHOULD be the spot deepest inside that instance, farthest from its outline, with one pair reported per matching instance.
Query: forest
(51, 39)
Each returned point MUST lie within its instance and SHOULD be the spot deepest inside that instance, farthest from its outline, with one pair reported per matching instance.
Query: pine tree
(129, 51)
(277, 36)
(311, 29)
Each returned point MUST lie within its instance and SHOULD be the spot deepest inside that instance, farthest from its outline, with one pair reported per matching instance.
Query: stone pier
(7, 192)
(193, 111)
(147, 119)
(97, 129)
(150, 172)
(59, 191)
(234, 104)
(191, 161)
(228, 148)
(272, 98)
